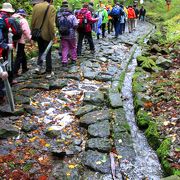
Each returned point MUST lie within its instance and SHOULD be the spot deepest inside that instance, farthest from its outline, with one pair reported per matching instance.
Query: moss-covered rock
(143, 119)
(153, 136)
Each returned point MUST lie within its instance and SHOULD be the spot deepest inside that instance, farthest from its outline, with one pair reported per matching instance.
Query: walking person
(136, 10)
(5, 47)
(85, 29)
(42, 9)
(67, 23)
(131, 17)
(110, 23)
(20, 46)
(142, 14)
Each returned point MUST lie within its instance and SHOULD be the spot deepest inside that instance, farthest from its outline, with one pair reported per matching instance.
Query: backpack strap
(44, 17)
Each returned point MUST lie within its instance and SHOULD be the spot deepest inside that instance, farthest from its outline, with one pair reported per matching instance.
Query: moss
(143, 119)
(153, 135)
(127, 127)
(121, 80)
(138, 103)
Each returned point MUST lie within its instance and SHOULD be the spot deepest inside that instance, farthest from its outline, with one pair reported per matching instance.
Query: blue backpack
(115, 12)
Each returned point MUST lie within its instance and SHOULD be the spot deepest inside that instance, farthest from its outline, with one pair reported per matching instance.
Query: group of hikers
(73, 26)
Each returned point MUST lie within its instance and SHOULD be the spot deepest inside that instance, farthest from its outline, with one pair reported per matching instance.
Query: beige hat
(7, 7)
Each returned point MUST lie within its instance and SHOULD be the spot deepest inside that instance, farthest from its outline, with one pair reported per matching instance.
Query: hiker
(142, 14)
(84, 28)
(5, 47)
(102, 13)
(21, 55)
(67, 23)
(137, 15)
(122, 20)
(131, 17)
(110, 19)
(116, 13)
(44, 14)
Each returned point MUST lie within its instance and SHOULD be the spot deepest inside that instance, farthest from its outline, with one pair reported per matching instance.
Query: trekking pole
(10, 41)
(9, 93)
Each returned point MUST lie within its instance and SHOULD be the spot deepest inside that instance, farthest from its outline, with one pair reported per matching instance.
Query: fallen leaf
(98, 162)
(71, 166)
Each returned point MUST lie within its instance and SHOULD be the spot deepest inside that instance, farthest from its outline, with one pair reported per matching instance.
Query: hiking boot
(73, 62)
(25, 70)
(38, 69)
(49, 75)
(64, 64)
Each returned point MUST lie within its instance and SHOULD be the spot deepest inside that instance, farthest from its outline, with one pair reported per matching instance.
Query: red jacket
(90, 19)
(131, 13)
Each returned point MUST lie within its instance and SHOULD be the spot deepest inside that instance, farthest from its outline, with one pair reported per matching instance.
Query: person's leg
(103, 29)
(41, 49)
(120, 28)
(73, 49)
(48, 58)
(112, 24)
(90, 40)
(65, 50)
(24, 60)
(80, 40)
(18, 60)
(108, 25)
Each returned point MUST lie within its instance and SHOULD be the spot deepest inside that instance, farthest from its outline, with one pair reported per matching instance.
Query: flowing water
(146, 162)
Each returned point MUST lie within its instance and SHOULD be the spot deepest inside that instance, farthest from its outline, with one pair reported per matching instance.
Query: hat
(21, 12)
(7, 7)
(36, 1)
(64, 4)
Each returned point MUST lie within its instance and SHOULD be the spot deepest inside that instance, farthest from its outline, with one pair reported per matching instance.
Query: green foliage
(146, 63)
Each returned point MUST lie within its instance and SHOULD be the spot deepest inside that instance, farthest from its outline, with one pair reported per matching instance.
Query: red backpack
(81, 16)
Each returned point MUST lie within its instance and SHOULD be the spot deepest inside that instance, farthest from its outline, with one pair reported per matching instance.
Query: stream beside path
(77, 125)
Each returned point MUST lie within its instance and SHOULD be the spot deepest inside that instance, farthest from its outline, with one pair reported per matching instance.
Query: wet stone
(37, 86)
(173, 177)
(73, 76)
(21, 100)
(93, 117)
(100, 144)
(7, 130)
(52, 133)
(97, 161)
(103, 77)
(163, 62)
(115, 100)
(73, 69)
(85, 109)
(61, 171)
(96, 98)
(90, 74)
(28, 93)
(28, 126)
(59, 84)
(31, 110)
(99, 129)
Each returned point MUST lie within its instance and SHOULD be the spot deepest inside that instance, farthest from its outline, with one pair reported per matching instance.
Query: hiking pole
(43, 57)
(9, 93)
(10, 41)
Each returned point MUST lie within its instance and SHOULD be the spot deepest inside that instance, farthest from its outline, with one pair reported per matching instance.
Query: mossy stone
(143, 119)
(153, 135)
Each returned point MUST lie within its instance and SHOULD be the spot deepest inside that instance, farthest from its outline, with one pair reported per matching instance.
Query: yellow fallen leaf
(98, 162)
(68, 173)
(71, 166)
(33, 139)
(50, 129)
(119, 157)
(165, 123)
(47, 145)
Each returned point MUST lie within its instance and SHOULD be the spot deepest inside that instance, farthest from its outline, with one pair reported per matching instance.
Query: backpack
(115, 12)
(15, 25)
(82, 20)
(63, 24)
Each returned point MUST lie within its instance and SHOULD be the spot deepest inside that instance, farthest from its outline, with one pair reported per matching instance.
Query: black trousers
(42, 44)
(88, 36)
(20, 59)
(103, 27)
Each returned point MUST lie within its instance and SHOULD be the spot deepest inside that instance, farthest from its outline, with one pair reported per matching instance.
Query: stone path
(73, 121)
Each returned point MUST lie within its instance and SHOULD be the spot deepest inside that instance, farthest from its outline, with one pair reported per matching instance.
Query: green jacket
(104, 14)
(48, 29)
